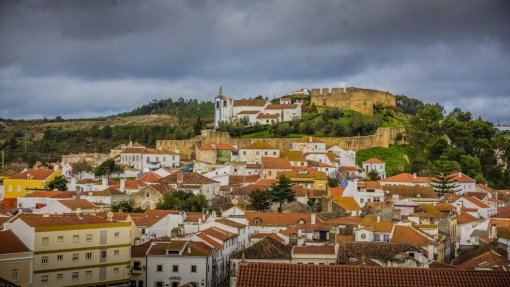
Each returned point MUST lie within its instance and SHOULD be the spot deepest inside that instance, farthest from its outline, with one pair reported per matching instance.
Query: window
(88, 256)
(143, 230)
(76, 239)
(265, 153)
(44, 279)
(115, 270)
(386, 237)
(274, 153)
(88, 274)
(76, 257)
(44, 260)
(45, 241)
(116, 252)
(159, 268)
(175, 268)
(377, 237)
(60, 238)
(363, 236)
(116, 234)
(60, 276)
(89, 238)
(158, 284)
(75, 276)
(193, 269)
(60, 257)
(14, 275)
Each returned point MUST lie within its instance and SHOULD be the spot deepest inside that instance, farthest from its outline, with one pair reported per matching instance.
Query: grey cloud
(93, 53)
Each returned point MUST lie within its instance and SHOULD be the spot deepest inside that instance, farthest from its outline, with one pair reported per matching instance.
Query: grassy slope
(394, 156)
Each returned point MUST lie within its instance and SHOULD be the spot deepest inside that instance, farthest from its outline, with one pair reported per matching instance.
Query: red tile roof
(407, 234)
(346, 168)
(297, 275)
(268, 116)
(38, 220)
(503, 213)
(276, 219)
(275, 163)
(259, 103)
(461, 178)
(219, 146)
(11, 243)
(477, 202)
(313, 250)
(259, 145)
(74, 204)
(336, 191)
(219, 233)
(373, 160)
(53, 194)
(149, 177)
(151, 217)
(465, 217)
(281, 107)
(35, 174)
(209, 240)
(406, 177)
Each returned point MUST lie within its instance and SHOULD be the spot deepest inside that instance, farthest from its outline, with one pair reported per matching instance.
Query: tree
(59, 183)
(332, 182)
(260, 199)
(373, 175)
(107, 168)
(281, 192)
(444, 181)
(122, 207)
(182, 200)
(82, 166)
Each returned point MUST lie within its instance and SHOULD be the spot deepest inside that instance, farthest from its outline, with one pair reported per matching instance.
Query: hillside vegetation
(398, 158)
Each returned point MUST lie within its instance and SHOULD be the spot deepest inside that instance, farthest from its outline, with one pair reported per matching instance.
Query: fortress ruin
(360, 100)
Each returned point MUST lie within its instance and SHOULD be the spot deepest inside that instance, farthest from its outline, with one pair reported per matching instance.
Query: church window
(217, 104)
(224, 103)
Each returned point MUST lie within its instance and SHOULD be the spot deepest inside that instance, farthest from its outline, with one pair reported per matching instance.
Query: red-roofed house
(483, 210)
(406, 179)
(321, 255)
(145, 159)
(28, 181)
(16, 260)
(214, 153)
(466, 183)
(271, 166)
(375, 164)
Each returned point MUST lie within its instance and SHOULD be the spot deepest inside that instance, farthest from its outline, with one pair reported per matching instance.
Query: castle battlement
(357, 99)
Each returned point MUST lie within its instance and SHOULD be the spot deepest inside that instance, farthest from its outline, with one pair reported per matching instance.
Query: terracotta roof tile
(266, 248)
(187, 178)
(477, 202)
(373, 160)
(461, 178)
(140, 250)
(209, 240)
(35, 174)
(347, 203)
(219, 233)
(276, 219)
(280, 275)
(268, 116)
(275, 163)
(151, 217)
(374, 250)
(259, 145)
(38, 220)
(503, 213)
(149, 177)
(336, 191)
(249, 103)
(11, 243)
(407, 234)
(74, 204)
(410, 191)
(230, 223)
(465, 217)
(308, 139)
(313, 250)
(294, 155)
(53, 194)
(406, 177)
(346, 168)
(281, 107)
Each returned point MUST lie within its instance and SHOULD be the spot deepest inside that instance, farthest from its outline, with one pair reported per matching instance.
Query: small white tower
(222, 108)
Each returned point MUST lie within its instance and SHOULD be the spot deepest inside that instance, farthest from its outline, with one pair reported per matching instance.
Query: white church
(256, 111)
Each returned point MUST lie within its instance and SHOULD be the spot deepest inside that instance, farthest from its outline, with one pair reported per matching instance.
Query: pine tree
(281, 192)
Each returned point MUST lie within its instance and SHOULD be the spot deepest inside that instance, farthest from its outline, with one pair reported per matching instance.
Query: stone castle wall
(360, 100)
(382, 138)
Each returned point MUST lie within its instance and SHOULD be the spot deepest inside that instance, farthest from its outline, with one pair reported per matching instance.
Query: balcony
(136, 270)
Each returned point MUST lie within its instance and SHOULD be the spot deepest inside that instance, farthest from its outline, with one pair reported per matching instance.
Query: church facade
(255, 111)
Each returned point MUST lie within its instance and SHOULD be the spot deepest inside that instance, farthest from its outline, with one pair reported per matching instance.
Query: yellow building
(28, 181)
(15, 260)
(307, 177)
(76, 249)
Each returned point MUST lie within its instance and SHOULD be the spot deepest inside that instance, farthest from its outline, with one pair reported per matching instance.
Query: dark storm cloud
(81, 58)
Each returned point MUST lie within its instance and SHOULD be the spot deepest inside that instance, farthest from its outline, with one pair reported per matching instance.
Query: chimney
(493, 232)
(78, 194)
(180, 177)
(312, 218)
(46, 212)
(130, 143)
(460, 174)
(310, 139)
(122, 187)
(55, 167)
(378, 218)
(28, 176)
(430, 251)
(243, 255)
(414, 175)
(104, 182)
(189, 248)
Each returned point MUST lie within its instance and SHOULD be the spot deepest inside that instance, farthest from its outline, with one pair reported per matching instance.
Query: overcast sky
(94, 58)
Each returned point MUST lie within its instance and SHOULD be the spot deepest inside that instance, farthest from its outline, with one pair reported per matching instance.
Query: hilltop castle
(360, 100)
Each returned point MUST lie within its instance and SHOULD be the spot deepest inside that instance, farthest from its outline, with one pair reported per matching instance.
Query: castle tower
(223, 107)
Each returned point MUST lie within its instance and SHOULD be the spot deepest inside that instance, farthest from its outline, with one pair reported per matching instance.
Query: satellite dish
(235, 201)
(109, 215)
